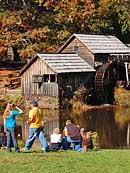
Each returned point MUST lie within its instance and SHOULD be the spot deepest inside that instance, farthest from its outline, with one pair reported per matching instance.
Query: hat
(34, 103)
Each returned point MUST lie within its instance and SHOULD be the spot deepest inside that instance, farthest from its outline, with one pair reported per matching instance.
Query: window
(52, 78)
(49, 78)
(46, 77)
(75, 48)
(37, 78)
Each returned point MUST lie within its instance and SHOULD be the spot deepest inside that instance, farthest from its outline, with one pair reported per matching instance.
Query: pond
(111, 123)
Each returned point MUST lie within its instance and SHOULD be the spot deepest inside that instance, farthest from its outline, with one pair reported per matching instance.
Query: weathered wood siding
(73, 80)
(83, 51)
(30, 88)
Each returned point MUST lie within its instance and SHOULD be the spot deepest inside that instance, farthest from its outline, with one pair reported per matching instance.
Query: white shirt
(56, 138)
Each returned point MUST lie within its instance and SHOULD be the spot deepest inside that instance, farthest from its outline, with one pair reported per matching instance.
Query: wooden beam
(126, 70)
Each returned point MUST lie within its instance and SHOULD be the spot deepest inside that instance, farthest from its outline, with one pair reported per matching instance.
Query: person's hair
(56, 131)
(68, 121)
(87, 134)
(78, 126)
(34, 103)
(8, 108)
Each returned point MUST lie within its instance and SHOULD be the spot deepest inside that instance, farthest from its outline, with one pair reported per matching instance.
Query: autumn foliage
(44, 25)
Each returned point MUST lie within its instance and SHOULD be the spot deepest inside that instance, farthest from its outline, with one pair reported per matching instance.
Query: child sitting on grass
(56, 140)
(87, 142)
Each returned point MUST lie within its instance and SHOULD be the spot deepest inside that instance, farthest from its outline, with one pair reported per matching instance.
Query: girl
(87, 142)
(9, 115)
(56, 140)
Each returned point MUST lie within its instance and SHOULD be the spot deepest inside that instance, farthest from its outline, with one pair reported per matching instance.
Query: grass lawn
(103, 161)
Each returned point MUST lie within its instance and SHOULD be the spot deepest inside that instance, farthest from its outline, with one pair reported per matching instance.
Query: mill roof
(62, 63)
(99, 43)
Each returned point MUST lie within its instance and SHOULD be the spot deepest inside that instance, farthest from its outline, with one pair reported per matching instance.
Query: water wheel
(105, 81)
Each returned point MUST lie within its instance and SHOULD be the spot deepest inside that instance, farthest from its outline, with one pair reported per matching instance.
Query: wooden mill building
(50, 77)
(106, 54)
(96, 61)
(95, 49)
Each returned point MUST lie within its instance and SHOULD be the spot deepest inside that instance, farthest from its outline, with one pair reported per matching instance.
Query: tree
(111, 17)
(44, 25)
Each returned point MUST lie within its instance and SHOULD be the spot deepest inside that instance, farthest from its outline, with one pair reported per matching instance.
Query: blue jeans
(33, 134)
(11, 133)
(0, 140)
(77, 143)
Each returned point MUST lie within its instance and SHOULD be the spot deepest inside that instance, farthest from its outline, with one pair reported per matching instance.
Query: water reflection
(111, 124)
(122, 118)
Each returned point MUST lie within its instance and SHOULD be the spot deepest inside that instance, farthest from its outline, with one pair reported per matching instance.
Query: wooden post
(126, 70)
(128, 135)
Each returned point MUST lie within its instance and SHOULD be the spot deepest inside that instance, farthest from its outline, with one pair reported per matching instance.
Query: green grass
(103, 161)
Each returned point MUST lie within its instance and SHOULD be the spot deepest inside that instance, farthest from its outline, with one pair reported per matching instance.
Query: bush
(80, 94)
(122, 97)
(20, 143)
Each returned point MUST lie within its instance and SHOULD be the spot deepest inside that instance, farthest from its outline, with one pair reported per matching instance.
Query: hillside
(5, 73)
(10, 72)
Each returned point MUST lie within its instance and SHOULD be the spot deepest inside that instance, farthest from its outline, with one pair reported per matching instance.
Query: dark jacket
(73, 131)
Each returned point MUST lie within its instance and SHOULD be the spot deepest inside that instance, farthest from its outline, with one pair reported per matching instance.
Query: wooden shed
(95, 49)
(48, 77)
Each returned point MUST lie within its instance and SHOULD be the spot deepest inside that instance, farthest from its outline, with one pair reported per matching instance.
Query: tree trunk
(16, 54)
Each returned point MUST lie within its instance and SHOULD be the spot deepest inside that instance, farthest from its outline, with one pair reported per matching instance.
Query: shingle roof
(65, 63)
(100, 43)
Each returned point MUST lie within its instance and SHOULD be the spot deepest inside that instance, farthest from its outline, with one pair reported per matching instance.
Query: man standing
(35, 120)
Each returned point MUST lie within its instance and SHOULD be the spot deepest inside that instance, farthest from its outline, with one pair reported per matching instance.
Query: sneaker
(43, 149)
(47, 149)
(9, 150)
(17, 151)
(25, 150)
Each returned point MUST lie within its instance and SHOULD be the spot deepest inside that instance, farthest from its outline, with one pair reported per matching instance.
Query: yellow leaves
(38, 33)
(8, 19)
(122, 97)
(122, 116)
(13, 17)
(105, 2)
(62, 34)
(51, 49)
(92, 6)
(10, 38)
(3, 43)
(26, 54)
(48, 4)
(7, 22)
(29, 51)
(3, 50)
